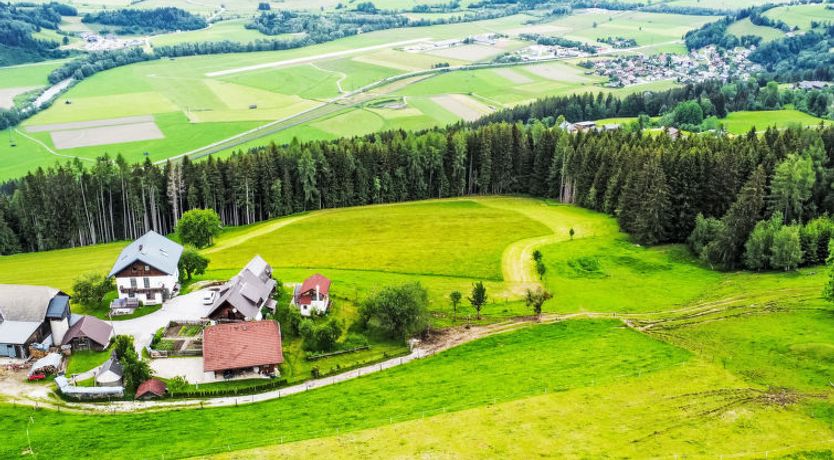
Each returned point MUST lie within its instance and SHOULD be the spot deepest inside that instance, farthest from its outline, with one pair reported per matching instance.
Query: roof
(17, 332)
(113, 366)
(153, 386)
(316, 281)
(241, 345)
(91, 327)
(58, 307)
(25, 303)
(151, 249)
(247, 292)
(259, 268)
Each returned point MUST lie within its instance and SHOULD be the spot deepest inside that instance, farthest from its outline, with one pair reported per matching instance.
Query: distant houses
(147, 269)
(246, 295)
(238, 349)
(312, 296)
(31, 316)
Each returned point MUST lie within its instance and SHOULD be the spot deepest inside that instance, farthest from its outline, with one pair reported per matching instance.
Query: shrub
(91, 288)
(198, 227)
(400, 311)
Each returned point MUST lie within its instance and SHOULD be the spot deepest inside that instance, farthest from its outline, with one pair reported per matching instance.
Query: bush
(192, 263)
(400, 311)
(198, 227)
(320, 337)
(91, 288)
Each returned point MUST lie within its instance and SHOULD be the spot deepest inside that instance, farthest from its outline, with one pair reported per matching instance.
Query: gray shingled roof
(151, 249)
(25, 303)
(248, 291)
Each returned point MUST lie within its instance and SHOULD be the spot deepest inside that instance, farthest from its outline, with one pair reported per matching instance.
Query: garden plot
(100, 132)
(463, 106)
(7, 95)
(513, 76)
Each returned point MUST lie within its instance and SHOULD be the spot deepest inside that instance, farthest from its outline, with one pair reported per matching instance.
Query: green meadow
(802, 15)
(745, 27)
(712, 363)
(193, 107)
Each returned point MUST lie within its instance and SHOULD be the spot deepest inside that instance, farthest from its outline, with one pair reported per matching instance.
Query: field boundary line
(48, 149)
(317, 57)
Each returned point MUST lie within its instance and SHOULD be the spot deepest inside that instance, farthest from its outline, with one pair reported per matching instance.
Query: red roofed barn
(312, 296)
(237, 348)
(152, 388)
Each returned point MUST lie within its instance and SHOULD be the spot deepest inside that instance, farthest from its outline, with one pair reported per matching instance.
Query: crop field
(745, 27)
(742, 122)
(646, 28)
(802, 15)
(687, 379)
(196, 101)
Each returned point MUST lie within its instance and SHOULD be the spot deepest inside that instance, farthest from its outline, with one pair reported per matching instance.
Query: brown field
(7, 95)
(469, 53)
(105, 135)
(463, 106)
(90, 124)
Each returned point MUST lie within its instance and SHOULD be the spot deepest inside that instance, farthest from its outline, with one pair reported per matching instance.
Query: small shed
(150, 389)
(110, 373)
(89, 333)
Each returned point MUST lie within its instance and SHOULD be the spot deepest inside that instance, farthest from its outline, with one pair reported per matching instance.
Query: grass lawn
(28, 74)
(743, 122)
(83, 361)
(745, 27)
(521, 364)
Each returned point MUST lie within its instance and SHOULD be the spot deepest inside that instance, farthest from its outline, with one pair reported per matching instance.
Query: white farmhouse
(147, 270)
(312, 296)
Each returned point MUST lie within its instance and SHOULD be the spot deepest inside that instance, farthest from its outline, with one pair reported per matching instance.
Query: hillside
(685, 378)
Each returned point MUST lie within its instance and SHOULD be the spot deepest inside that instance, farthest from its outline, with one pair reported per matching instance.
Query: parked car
(37, 376)
(209, 297)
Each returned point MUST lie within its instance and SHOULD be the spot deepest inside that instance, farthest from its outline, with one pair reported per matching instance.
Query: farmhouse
(147, 270)
(31, 315)
(89, 333)
(245, 296)
(235, 349)
(312, 296)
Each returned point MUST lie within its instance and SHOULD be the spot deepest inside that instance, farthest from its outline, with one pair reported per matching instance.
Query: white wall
(59, 330)
(156, 282)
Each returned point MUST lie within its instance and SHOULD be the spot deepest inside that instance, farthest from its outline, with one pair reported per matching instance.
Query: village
(222, 331)
(706, 63)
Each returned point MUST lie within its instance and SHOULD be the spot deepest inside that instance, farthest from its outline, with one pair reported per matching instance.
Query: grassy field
(83, 361)
(745, 27)
(802, 15)
(193, 109)
(27, 74)
(702, 379)
(743, 122)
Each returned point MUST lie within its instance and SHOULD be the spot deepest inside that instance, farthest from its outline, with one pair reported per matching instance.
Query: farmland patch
(557, 72)
(463, 106)
(106, 135)
(513, 76)
(7, 95)
(468, 52)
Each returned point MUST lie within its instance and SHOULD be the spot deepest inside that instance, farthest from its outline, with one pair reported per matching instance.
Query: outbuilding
(89, 333)
(110, 373)
(151, 389)
(31, 315)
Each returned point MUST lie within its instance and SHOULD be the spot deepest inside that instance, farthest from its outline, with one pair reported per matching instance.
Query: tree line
(143, 21)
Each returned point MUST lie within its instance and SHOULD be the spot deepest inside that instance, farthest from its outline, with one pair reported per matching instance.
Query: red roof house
(152, 388)
(242, 347)
(313, 295)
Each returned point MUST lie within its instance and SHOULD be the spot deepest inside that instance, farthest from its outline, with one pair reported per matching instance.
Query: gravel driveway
(188, 307)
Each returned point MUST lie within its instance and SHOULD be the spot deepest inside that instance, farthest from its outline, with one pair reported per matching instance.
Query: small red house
(150, 389)
(313, 295)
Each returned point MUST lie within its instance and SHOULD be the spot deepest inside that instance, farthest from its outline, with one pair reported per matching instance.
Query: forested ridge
(147, 21)
(18, 23)
(655, 185)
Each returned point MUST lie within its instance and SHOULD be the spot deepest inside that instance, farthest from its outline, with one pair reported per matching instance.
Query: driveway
(187, 307)
(189, 368)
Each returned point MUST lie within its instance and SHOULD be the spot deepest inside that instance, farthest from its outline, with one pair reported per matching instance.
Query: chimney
(318, 296)
(140, 248)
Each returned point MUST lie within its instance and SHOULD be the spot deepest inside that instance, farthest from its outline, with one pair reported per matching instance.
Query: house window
(133, 283)
(147, 282)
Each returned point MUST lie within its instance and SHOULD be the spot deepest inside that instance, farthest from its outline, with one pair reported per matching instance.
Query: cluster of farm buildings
(38, 329)
(708, 63)
(107, 42)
